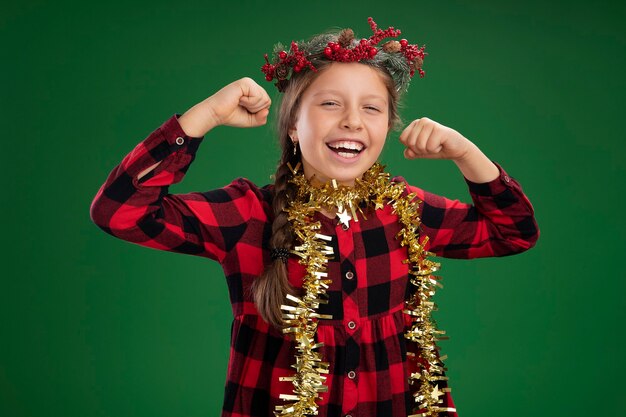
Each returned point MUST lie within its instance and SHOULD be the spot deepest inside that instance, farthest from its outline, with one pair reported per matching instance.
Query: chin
(345, 175)
(342, 172)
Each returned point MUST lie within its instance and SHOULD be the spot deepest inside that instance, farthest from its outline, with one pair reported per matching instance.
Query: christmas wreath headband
(400, 58)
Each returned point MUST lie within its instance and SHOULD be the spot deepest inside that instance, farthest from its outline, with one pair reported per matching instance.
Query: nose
(351, 118)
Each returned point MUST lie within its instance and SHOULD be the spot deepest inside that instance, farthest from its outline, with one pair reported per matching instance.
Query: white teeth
(347, 155)
(346, 144)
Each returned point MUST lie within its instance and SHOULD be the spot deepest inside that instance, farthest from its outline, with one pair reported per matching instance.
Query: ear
(293, 134)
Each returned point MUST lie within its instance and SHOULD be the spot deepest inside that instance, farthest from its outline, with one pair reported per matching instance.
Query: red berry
(373, 52)
(297, 68)
(282, 54)
(269, 77)
(328, 52)
(404, 43)
(335, 47)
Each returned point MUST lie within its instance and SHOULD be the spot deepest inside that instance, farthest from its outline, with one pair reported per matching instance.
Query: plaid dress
(364, 341)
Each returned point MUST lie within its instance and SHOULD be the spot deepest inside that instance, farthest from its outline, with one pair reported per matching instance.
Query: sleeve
(500, 222)
(141, 211)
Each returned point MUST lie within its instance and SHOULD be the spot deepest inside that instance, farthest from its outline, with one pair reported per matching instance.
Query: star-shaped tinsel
(344, 217)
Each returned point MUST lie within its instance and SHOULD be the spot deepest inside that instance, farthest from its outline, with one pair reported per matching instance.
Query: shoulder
(243, 196)
(419, 193)
(240, 188)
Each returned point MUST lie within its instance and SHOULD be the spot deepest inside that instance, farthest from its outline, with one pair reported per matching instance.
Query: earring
(295, 148)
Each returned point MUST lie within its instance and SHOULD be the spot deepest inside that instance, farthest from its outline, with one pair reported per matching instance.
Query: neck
(332, 198)
(318, 181)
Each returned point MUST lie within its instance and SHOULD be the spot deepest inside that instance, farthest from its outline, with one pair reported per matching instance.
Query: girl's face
(342, 122)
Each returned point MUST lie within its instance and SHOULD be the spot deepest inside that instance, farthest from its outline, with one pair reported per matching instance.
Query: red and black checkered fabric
(364, 341)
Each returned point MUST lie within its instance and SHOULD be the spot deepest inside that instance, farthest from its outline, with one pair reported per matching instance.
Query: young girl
(328, 268)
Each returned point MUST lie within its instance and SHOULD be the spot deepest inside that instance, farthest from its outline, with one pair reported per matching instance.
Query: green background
(94, 326)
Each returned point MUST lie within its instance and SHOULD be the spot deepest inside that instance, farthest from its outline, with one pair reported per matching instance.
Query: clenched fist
(425, 138)
(242, 103)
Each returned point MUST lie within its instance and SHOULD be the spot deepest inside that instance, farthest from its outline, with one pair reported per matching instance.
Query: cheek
(312, 129)
(377, 149)
(305, 126)
(307, 148)
(310, 145)
(379, 133)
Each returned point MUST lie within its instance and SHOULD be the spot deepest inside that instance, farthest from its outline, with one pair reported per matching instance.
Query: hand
(242, 103)
(425, 138)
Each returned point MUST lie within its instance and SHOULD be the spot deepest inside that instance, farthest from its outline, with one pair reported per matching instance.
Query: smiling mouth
(346, 149)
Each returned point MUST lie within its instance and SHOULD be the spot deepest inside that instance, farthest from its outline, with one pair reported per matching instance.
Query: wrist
(476, 166)
(198, 120)
(470, 153)
(210, 115)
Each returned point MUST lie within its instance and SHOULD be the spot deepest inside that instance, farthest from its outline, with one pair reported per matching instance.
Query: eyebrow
(375, 96)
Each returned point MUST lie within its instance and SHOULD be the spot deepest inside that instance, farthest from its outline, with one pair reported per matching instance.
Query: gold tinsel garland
(301, 319)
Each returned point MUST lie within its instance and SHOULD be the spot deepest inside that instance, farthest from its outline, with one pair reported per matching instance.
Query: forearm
(198, 120)
(142, 173)
(128, 189)
(195, 125)
(500, 221)
(476, 166)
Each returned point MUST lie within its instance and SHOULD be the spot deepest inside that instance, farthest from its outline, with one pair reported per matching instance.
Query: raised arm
(501, 219)
(134, 204)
